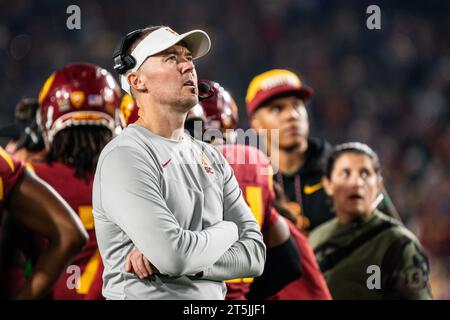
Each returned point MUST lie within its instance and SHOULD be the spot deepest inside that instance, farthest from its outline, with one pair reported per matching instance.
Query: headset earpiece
(122, 60)
(31, 138)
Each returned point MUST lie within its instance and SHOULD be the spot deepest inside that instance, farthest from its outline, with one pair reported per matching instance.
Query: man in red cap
(276, 100)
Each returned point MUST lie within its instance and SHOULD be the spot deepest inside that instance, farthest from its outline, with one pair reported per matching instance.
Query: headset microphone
(204, 91)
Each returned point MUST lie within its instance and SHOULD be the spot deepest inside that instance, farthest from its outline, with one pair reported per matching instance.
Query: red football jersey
(11, 171)
(78, 193)
(254, 174)
(311, 285)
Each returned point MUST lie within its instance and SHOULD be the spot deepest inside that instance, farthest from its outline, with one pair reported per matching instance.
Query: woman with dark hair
(363, 253)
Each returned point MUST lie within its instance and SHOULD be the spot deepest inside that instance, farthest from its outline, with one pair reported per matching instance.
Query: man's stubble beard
(299, 146)
(179, 103)
(292, 147)
(184, 105)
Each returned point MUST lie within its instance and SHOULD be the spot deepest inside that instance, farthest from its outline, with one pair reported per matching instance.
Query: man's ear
(327, 186)
(135, 81)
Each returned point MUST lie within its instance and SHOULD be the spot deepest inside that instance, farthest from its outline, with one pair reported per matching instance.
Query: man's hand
(139, 265)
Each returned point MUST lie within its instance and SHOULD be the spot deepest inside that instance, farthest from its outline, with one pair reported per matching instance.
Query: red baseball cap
(273, 83)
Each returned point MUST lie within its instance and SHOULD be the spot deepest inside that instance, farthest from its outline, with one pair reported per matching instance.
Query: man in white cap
(158, 191)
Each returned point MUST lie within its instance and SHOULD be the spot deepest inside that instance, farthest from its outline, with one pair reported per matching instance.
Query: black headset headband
(122, 60)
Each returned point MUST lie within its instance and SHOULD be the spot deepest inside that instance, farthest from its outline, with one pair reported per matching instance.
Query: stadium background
(388, 88)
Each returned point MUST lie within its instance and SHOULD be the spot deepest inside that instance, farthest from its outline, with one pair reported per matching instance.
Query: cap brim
(197, 41)
(303, 92)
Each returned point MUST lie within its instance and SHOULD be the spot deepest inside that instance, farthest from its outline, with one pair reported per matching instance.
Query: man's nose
(186, 66)
(291, 113)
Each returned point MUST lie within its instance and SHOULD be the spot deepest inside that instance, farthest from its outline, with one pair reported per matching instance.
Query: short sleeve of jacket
(409, 279)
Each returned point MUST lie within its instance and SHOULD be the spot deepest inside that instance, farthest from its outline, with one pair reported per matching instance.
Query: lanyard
(297, 188)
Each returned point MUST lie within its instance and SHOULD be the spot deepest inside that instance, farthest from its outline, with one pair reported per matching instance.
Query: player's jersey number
(88, 275)
(253, 196)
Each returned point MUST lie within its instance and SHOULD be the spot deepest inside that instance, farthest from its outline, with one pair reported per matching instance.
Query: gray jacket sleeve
(131, 196)
(247, 256)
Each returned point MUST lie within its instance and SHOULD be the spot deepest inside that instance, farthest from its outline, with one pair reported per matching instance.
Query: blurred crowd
(388, 88)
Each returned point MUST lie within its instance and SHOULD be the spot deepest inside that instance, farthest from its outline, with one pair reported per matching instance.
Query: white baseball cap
(197, 41)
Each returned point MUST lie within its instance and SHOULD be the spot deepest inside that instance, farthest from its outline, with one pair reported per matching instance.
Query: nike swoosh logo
(166, 163)
(311, 189)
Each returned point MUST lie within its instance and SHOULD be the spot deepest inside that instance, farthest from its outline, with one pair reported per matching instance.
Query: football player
(78, 108)
(36, 206)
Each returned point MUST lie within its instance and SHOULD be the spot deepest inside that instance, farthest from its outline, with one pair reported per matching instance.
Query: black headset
(31, 138)
(204, 90)
(122, 60)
